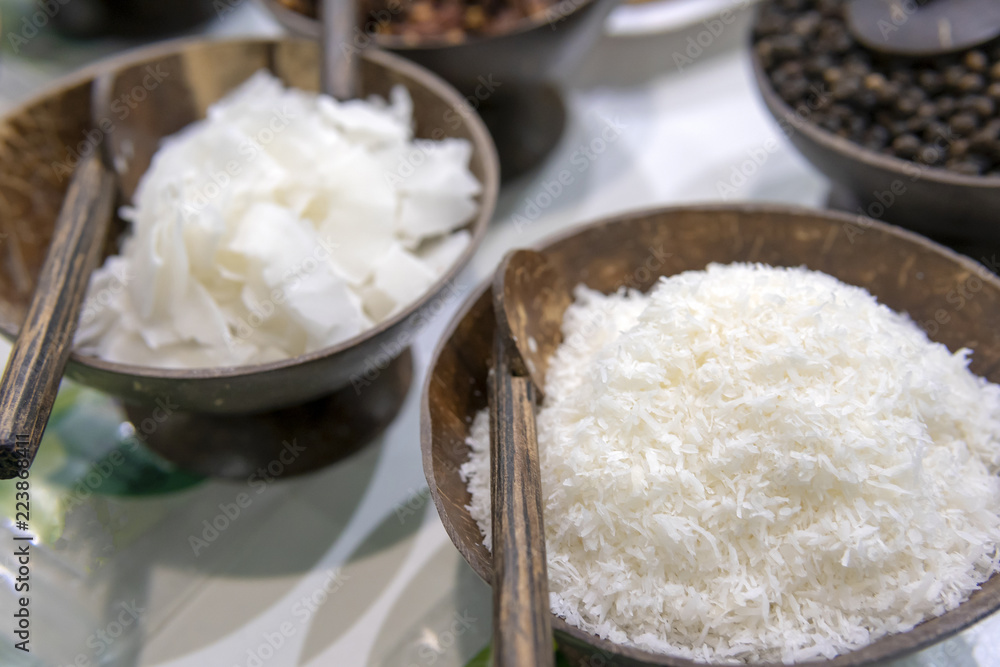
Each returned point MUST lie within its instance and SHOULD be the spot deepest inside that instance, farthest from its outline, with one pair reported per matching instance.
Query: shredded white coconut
(758, 464)
(282, 223)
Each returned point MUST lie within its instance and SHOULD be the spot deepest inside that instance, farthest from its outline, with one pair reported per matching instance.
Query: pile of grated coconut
(758, 464)
(282, 223)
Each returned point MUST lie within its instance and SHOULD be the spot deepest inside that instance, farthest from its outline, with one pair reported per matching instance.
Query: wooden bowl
(37, 140)
(930, 200)
(905, 271)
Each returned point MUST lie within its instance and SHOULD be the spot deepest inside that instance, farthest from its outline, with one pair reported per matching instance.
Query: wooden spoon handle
(31, 379)
(522, 630)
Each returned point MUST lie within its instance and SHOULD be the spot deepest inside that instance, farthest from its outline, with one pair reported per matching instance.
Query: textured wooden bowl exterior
(534, 53)
(42, 134)
(930, 200)
(905, 271)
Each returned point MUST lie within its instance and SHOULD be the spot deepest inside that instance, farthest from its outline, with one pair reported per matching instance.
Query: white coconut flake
(758, 464)
(282, 223)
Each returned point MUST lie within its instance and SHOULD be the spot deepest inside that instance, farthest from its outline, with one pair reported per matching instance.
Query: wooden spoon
(529, 300)
(34, 369)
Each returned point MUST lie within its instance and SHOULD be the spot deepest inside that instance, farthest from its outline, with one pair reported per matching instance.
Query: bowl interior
(904, 271)
(157, 91)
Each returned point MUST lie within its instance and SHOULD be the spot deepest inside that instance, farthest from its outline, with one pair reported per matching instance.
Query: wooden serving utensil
(923, 28)
(529, 300)
(39, 355)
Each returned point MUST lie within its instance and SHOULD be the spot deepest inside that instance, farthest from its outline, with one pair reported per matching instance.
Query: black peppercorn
(971, 83)
(906, 106)
(875, 82)
(807, 24)
(953, 75)
(845, 88)
(787, 46)
(930, 155)
(906, 145)
(931, 81)
(938, 132)
(959, 148)
(976, 61)
(945, 106)
(983, 106)
(876, 137)
(927, 110)
(963, 123)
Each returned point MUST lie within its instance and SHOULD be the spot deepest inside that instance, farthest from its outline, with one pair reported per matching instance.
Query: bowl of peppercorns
(910, 139)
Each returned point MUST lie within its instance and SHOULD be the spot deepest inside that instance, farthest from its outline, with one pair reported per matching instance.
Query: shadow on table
(233, 549)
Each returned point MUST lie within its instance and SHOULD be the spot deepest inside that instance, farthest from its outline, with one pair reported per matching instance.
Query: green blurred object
(482, 659)
(104, 454)
(88, 451)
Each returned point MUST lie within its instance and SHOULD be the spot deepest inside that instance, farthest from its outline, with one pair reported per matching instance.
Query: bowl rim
(292, 19)
(559, 624)
(477, 226)
(848, 148)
